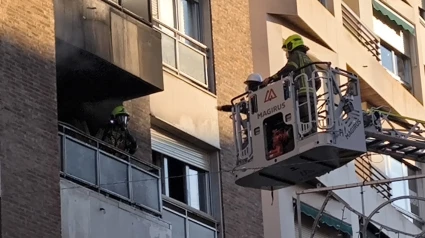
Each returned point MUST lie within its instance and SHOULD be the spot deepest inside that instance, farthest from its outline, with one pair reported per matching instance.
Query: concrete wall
(30, 202)
(188, 108)
(88, 214)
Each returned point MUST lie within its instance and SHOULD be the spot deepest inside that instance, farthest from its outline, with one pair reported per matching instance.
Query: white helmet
(254, 78)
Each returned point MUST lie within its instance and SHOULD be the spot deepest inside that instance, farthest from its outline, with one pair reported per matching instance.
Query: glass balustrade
(96, 164)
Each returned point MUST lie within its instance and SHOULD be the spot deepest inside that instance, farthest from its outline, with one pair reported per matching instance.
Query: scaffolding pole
(316, 220)
(346, 186)
(364, 216)
(376, 210)
(353, 185)
(421, 235)
(300, 235)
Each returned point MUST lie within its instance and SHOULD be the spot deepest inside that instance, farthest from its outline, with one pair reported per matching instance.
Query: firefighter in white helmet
(252, 83)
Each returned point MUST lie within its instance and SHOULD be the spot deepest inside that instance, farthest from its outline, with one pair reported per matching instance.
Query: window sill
(187, 80)
(407, 86)
(189, 208)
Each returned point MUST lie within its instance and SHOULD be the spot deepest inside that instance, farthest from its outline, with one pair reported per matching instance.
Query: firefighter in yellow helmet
(116, 132)
(296, 53)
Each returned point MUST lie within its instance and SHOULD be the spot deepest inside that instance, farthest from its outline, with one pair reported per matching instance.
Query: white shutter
(177, 149)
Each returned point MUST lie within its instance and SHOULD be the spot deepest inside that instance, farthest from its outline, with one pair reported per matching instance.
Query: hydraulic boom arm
(394, 135)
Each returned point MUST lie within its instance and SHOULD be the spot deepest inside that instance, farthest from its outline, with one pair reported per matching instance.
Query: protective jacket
(118, 137)
(297, 59)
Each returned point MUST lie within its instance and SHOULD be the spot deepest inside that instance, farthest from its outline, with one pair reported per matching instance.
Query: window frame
(388, 160)
(180, 39)
(406, 64)
(324, 3)
(182, 209)
(162, 161)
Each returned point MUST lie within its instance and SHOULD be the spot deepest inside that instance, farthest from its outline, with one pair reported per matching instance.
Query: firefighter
(253, 82)
(116, 132)
(280, 138)
(296, 53)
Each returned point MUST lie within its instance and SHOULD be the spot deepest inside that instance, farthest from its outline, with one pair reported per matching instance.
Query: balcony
(367, 172)
(96, 165)
(364, 35)
(183, 55)
(104, 51)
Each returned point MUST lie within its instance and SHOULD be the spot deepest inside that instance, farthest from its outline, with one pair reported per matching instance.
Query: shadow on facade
(28, 137)
(89, 87)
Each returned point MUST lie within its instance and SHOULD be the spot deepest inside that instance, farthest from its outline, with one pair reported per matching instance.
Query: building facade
(381, 42)
(64, 66)
(70, 63)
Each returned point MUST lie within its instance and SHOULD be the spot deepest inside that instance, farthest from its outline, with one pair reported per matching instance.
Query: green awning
(327, 219)
(393, 16)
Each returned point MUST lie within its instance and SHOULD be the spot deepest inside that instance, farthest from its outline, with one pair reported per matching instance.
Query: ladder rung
(385, 146)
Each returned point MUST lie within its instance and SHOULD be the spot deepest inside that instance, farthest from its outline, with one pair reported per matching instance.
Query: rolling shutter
(178, 149)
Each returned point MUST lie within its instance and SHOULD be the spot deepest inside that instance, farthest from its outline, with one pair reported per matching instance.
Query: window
(189, 190)
(323, 2)
(393, 169)
(182, 15)
(183, 50)
(397, 64)
(183, 182)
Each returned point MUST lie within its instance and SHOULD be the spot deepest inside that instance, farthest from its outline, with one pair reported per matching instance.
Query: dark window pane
(113, 175)
(177, 188)
(178, 223)
(196, 230)
(138, 7)
(387, 58)
(145, 189)
(191, 19)
(80, 161)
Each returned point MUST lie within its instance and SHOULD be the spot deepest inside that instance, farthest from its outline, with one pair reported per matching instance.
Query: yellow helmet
(292, 42)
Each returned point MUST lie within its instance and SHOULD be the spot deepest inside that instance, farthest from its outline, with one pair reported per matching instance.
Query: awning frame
(327, 219)
(393, 16)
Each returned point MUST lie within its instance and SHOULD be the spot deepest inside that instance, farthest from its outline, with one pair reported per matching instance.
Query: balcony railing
(183, 54)
(368, 172)
(101, 167)
(365, 36)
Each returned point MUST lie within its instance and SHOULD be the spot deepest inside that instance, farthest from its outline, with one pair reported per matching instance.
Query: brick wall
(140, 125)
(233, 63)
(30, 202)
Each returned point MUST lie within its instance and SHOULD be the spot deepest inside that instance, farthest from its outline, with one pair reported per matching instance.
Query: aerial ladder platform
(283, 138)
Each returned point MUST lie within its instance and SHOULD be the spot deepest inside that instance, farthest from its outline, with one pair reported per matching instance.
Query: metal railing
(365, 36)
(103, 168)
(368, 172)
(198, 224)
(183, 54)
